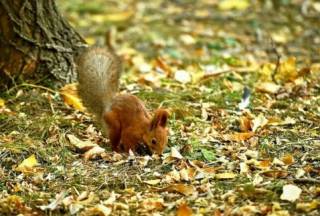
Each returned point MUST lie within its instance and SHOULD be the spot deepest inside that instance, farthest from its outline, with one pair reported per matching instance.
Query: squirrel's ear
(160, 118)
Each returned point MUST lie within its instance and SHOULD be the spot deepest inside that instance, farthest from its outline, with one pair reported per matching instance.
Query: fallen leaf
(245, 124)
(182, 76)
(238, 136)
(70, 96)
(287, 159)
(259, 122)
(183, 189)
(308, 206)
(290, 193)
(2, 102)
(153, 204)
(83, 146)
(267, 87)
(184, 210)
(287, 70)
(153, 182)
(175, 153)
(93, 153)
(99, 209)
(233, 5)
(275, 173)
(118, 17)
(225, 175)
(27, 165)
(55, 203)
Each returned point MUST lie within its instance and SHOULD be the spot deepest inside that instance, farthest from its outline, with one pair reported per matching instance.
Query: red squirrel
(123, 117)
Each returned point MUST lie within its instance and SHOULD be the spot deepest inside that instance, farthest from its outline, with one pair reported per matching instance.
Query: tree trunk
(36, 42)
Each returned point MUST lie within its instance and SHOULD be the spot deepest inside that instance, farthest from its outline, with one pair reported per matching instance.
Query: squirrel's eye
(154, 141)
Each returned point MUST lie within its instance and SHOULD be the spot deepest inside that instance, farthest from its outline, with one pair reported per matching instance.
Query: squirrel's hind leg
(114, 130)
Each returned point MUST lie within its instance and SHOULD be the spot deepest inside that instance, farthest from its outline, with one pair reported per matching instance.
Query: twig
(228, 70)
(307, 180)
(33, 86)
(276, 70)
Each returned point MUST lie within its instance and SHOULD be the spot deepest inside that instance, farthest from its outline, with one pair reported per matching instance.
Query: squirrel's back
(99, 71)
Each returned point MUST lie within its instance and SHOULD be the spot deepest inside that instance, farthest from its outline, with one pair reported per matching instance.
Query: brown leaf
(275, 173)
(238, 136)
(93, 153)
(183, 189)
(245, 124)
(184, 210)
(153, 204)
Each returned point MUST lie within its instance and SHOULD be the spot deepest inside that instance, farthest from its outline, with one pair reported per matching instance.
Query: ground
(241, 82)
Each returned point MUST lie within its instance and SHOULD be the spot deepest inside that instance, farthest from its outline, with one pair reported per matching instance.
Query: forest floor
(242, 83)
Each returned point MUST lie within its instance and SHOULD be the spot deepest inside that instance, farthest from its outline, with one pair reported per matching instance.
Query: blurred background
(201, 31)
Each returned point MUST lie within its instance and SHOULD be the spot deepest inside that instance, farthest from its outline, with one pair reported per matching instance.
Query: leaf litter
(244, 131)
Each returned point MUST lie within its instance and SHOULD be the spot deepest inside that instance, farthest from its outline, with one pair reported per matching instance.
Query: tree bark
(36, 42)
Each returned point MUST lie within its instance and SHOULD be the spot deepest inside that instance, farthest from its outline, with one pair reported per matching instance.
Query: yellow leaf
(28, 164)
(70, 96)
(308, 207)
(287, 70)
(2, 102)
(119, 17)
(226, 175)
(287, 159)
(233, 5)
(184, 189)
(266, 72)
(153, 182)
(90, 40)
(184, 210)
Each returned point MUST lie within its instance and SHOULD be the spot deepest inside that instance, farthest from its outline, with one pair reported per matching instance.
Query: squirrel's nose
(143, 150)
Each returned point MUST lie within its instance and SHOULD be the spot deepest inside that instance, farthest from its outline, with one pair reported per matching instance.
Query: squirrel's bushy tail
(99, 71)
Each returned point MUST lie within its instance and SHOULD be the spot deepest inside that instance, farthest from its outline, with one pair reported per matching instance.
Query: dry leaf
(245, 124)
(308, 207)
(182, 76)
(290, 193)
(2, 102)
(275, 173)
(70, 96)
(27, 165)
(259, 122)
(268, 87)
(118, 17)
(153, 182)
(238, 136)
(184, 189)
(56, 202)
(225, 175)
(287, 159)
(93, 153)
(184, 210)
(287, 70)
(175, 153)
(153, 204)
(83, 146)
(99, 209)
(233, 5)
